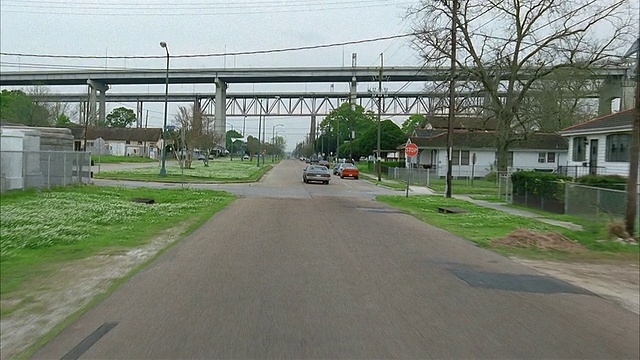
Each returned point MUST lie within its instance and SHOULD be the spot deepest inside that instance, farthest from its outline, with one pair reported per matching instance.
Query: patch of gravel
(48, 301)
(524, 238)
(619, 282)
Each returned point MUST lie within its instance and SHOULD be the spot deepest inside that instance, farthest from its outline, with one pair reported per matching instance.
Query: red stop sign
(411, 150)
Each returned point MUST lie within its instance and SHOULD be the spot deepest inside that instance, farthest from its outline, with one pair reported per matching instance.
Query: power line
(211, 11)
(237, 53)
(182, 5)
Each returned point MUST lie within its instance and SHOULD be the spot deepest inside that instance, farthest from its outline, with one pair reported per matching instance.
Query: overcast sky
(135, 27)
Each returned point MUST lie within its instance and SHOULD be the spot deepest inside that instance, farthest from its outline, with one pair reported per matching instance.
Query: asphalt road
(293, 270)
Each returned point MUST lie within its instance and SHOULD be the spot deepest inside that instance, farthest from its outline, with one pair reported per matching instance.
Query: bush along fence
(590, 195)
(540, 190)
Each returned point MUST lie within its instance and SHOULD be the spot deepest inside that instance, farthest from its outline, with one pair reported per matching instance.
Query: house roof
(622, 120)
(117, 134)
(486, 140)
(427, 132)
(459, 123)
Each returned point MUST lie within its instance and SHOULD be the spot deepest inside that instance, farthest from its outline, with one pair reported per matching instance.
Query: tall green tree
(415, 121)
(339, 126)
(63, 120)
(391, 136)
(121, 117)
(231, 135)
(18, 107)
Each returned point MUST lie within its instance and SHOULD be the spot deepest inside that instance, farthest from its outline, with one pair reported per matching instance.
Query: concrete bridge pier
(94, 86)
(220, 120)
(312, 133)
(616, 87)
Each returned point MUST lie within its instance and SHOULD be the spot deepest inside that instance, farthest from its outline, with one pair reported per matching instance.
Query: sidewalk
(423, 190)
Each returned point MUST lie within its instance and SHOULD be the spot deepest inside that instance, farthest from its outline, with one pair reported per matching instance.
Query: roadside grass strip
(464, 187)
(218, 171)
(481, 225)
(110, 159)
(42, 227)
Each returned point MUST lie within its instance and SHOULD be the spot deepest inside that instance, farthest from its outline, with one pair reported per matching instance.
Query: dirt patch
(46, 302)
(523, 238)
(619, 282)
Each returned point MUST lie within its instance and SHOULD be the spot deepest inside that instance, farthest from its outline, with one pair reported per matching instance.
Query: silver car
(316, 173)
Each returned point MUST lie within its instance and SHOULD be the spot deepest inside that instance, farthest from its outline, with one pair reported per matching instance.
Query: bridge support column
(94, 86)
(139, 111)
(220, 121)
(617, 87)
(312, 133)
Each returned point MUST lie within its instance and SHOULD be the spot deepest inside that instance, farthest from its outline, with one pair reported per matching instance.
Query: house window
(551, 157)
(90, 143)
(542, 157)
(618, 148)
(464, 157)
(127, 142)
(510, 159)
(139, 142)
(578, 148)
(455, 157)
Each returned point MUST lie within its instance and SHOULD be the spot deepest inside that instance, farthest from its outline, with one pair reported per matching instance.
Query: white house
(601, 145)
(540, 151)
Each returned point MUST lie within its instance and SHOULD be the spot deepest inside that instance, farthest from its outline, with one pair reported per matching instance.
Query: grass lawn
(106, 159)
(463, 186)
(40, 229)
(222, 170)
(489, 198)
(482, 225)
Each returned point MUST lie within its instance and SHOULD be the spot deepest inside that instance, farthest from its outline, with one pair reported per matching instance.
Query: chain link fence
(593, 201)
(43, 169)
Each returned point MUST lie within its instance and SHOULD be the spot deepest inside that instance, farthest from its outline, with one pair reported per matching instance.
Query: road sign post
(411, 150)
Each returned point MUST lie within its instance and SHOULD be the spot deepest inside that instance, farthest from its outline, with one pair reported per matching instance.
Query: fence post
(64, 168)
(566, 198)
(597, 202)
(49, 171)
(24, 171)
(78, 173)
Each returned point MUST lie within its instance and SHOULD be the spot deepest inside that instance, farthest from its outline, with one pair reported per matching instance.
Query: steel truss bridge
(297, 104)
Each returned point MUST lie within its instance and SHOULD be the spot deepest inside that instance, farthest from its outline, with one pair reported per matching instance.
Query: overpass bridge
(615, 80)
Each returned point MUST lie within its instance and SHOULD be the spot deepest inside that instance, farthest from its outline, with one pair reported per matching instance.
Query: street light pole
(163, 170)
(273, 135)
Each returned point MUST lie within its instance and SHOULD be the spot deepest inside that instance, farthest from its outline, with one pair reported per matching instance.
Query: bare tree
(562, 100)
(194, 135)
(506, 47)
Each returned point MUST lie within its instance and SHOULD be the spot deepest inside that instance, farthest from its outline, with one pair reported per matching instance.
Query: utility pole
(452, 99)
(259, 132)
(634, 156)
(352, 102)
(379, 112)
(264, 137)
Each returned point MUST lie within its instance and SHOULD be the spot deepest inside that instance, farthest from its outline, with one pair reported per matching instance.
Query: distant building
(144, 142)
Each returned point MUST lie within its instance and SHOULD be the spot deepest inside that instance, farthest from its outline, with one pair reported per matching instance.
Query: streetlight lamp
(163, 170)
(273, 136)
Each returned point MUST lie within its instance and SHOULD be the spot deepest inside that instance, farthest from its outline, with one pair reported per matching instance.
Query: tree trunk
(502, 142)
(632, 182)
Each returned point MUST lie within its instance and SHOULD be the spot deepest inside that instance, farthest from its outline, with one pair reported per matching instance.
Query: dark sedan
(316, 173)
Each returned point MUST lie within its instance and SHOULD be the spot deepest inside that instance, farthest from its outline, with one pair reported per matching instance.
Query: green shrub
(492, 176)
(539, 183)
(616, 182)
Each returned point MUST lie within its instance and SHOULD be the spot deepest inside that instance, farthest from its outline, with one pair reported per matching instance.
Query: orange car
(348, 170)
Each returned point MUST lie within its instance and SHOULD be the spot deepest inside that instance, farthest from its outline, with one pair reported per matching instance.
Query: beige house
(144, 142)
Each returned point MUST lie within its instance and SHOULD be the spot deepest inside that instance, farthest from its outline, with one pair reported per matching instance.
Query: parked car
(336, 169)
(316, 173)
(348, 170)
(324, 163)
(245, 157)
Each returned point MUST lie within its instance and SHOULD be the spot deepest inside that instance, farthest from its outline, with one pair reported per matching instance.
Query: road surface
(293, 270)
